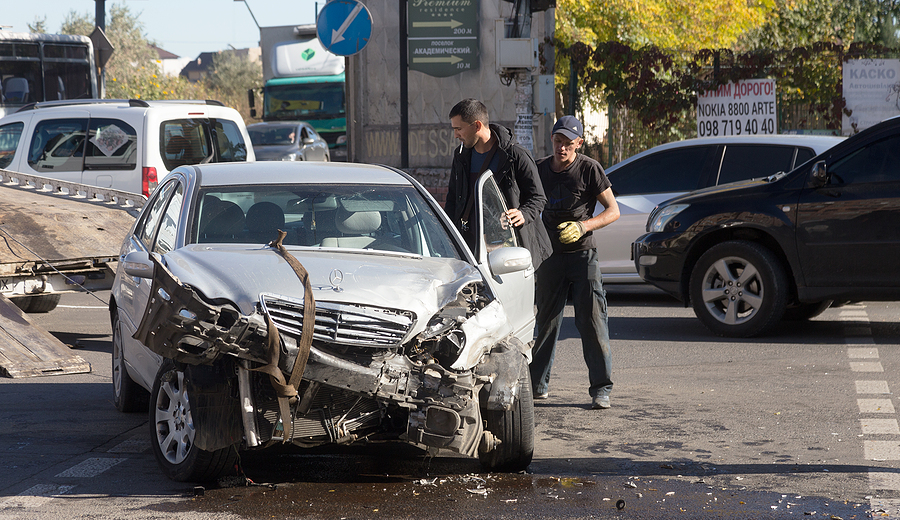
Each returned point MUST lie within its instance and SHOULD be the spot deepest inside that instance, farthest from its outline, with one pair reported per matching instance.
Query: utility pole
(100, 21)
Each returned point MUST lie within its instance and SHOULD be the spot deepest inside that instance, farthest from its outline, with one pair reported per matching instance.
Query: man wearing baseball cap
(574, 184)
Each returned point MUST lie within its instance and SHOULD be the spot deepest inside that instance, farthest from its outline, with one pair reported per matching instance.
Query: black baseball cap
(568, 126)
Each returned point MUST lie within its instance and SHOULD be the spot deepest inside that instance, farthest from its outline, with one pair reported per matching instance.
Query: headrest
(356, 222)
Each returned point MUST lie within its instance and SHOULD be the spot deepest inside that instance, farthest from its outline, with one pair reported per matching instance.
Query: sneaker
(601, 402)
(545, 395)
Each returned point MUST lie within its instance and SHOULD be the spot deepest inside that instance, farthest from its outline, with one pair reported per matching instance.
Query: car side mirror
(308, 140)
(138, 264)
(819, 174)
(509, 260)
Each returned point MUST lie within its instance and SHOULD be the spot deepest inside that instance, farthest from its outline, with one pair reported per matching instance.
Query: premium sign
(443, 36)
(743, 108)
(872, 91)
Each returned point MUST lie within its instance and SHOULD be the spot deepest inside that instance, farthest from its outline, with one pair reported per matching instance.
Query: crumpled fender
(505, 365)
(178, 324)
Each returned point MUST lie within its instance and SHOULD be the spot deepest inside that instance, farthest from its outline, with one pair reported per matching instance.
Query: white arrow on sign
(453, 24)
(338, 35)
(451, 60)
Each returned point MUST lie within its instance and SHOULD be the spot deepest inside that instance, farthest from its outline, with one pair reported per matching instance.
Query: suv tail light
(148, 180)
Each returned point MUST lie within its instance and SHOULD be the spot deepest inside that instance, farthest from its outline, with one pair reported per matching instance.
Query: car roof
(110, 107)
(819, 143)
(278, 124)
(293, 172)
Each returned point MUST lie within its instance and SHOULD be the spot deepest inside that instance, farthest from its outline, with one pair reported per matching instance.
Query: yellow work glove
(570, 231)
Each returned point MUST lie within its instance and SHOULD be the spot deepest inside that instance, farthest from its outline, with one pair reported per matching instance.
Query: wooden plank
(29, 351)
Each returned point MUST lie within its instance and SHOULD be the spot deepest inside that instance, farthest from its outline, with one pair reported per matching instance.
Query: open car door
(500, 259)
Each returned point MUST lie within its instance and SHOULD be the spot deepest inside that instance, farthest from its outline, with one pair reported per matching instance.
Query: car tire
(23, 303)
(738, 289)
(128, 396)
(514, 429)
(43, 302)
(806, 311)
(172, 432)
(37, 303)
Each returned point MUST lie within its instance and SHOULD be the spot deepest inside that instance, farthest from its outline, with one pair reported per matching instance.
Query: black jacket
(518, 180)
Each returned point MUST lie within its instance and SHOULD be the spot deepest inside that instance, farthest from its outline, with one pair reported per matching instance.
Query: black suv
(748, 254)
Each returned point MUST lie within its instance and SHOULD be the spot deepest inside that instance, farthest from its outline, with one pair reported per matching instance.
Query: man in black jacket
(490, 146)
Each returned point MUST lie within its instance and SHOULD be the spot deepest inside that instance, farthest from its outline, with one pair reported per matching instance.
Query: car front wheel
(738, 289)
(514, 429)
(173, 432)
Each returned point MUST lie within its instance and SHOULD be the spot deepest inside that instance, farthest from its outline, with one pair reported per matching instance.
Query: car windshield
(305, 101)
(362, 217)
(272, 136)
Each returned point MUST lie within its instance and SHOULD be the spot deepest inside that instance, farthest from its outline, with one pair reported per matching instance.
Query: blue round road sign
(344, 27)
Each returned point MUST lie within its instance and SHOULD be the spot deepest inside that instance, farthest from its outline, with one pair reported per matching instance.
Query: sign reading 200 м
(743, 108)
(443, 36)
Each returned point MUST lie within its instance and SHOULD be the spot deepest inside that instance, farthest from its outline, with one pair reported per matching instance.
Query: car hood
(240, 273)
(738, 188)
(274, 152)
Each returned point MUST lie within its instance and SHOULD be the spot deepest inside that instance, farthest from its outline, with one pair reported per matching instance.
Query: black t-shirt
(571, 195)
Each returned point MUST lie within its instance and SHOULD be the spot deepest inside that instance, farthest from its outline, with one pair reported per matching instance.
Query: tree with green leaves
(795, 23)
(133, 71)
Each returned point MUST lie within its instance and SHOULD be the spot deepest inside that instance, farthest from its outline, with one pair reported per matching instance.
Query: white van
(127, 145)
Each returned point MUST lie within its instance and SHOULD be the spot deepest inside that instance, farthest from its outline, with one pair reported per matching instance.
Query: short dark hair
(470, 110)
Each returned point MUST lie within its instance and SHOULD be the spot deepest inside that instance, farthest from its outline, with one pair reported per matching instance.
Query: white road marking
(866, 366)
(90, 468)
(886, 479)
(880, 426)
(882, 450)
(83, 307)
(875, 405)
(870, 387)
(862, 353)
(35, 496)
(854, 314)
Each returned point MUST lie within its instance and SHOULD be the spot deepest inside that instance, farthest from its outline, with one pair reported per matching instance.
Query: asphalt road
(801, 423)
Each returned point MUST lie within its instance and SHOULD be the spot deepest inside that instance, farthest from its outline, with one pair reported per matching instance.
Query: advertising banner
(743, 108)
(872, 92)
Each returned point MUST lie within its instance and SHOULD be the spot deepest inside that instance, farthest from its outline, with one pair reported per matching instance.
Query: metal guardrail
(105, 197)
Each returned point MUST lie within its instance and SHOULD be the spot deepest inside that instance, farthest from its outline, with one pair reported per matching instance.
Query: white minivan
(127, 145)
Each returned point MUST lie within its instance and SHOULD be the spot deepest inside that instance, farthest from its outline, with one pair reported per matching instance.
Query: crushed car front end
(372, 372)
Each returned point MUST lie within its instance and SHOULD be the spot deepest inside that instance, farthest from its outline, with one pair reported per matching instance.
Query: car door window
(9, 140)
(112, 145)
(876, 162)
(676, 170)
(58, 145)
(748, 161)
(184, 141)
(146, 229)
(168, 229)
(803, 155)
(493, 225)
(230, 142)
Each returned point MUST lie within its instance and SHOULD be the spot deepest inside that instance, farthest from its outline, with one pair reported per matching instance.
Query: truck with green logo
(303, 82)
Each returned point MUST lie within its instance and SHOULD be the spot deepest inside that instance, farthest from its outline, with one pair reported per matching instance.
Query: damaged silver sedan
(312, 304)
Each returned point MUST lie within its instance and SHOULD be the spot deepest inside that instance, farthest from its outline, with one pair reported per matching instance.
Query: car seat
(359, 225)
(264, 219)
(221, 221)
(15, 90)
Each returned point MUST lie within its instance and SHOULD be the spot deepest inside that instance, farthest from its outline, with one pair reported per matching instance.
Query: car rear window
(748, 161)
(677, 170)
(192, 141)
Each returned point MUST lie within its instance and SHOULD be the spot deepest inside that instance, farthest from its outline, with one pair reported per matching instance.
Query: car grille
(339, 323)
